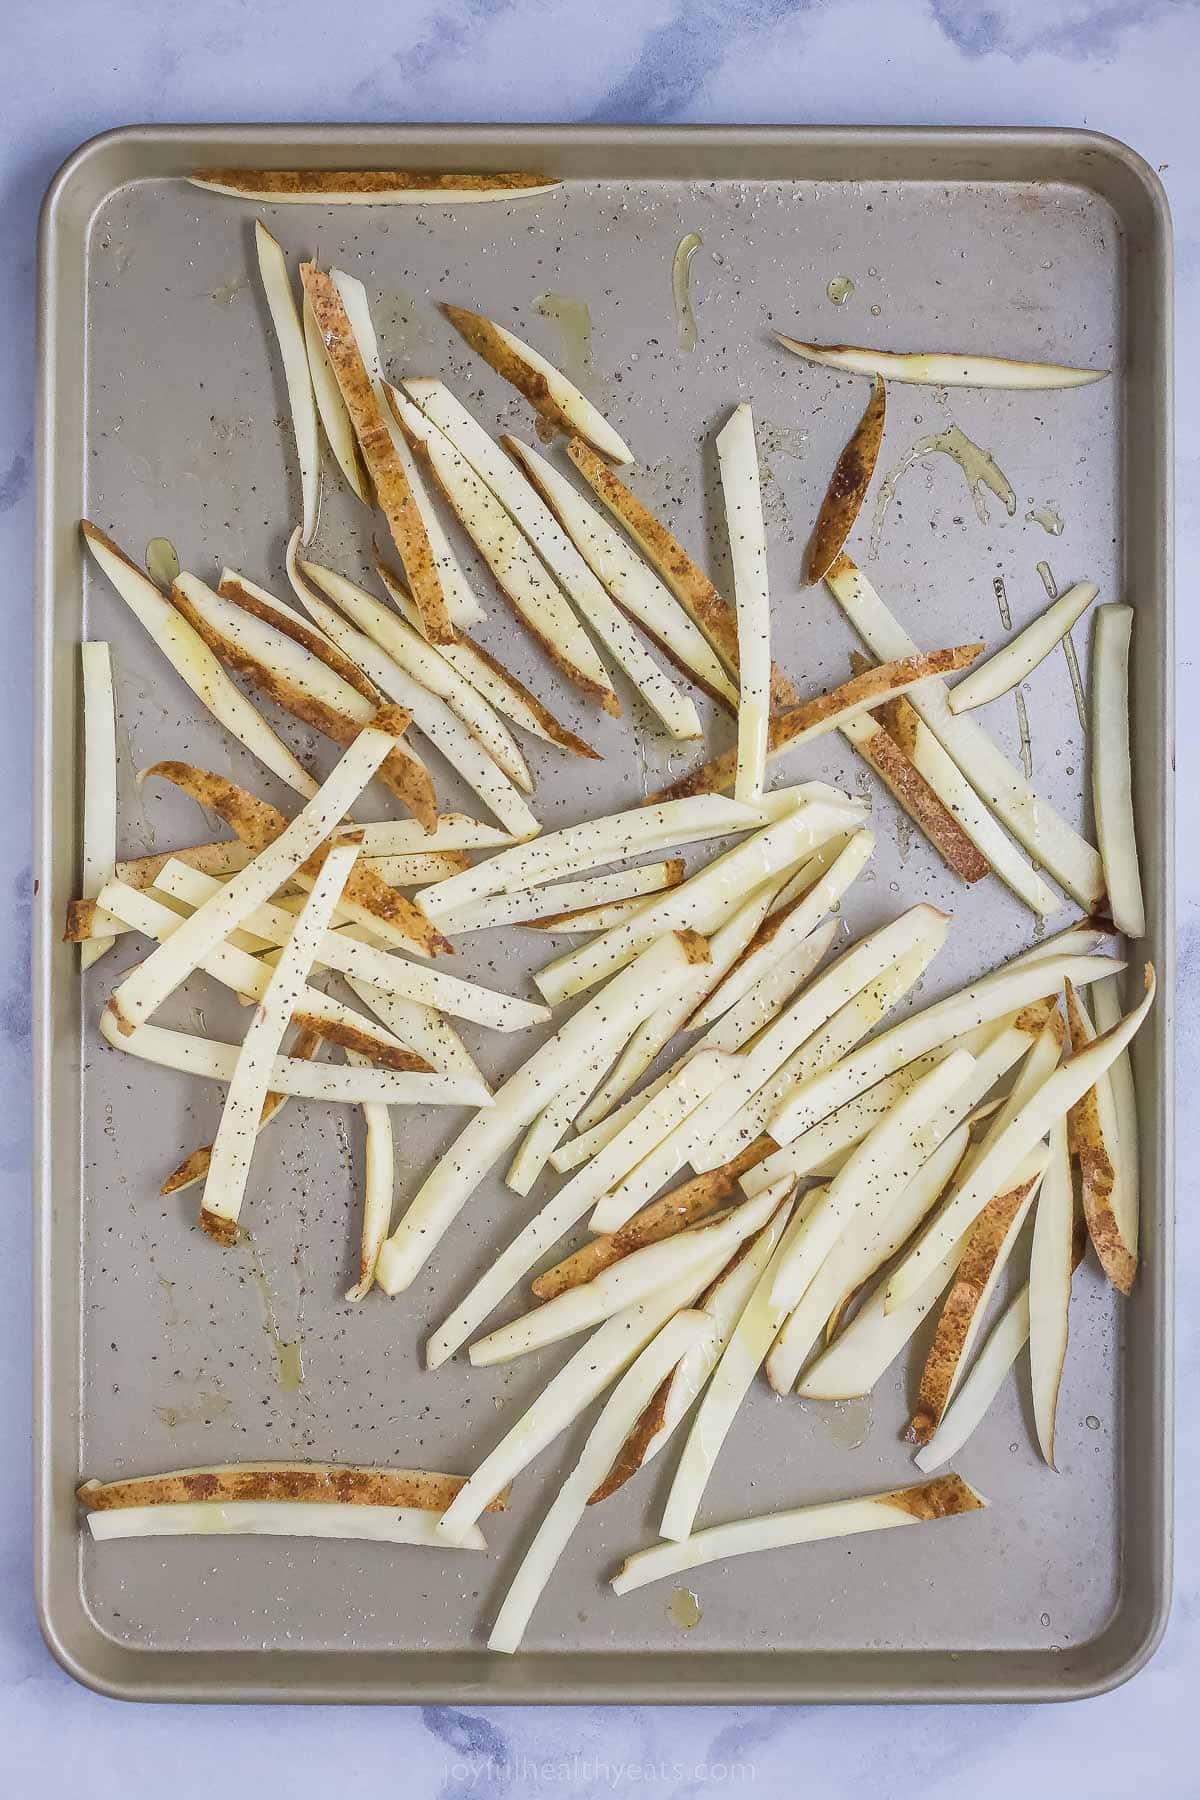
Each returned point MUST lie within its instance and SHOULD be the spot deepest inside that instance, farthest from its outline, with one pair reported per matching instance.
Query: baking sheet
(164, 414)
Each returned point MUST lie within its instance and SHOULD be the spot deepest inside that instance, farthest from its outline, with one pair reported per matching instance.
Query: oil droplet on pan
(1092, 1422)
(684, 1609)
(980, 472)
(1048, 517)
(681, 279)
(574, 323)
(840, 289)
(162, 561)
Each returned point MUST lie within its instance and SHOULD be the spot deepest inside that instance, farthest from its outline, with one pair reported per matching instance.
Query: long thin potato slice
(368, 187)
(826, 713)
(1009, 666)
(987, 1250)
(1106, 1004)
(211, 859)
(944, 368)
(631, 582)
(859, 1252)
(432, 716)
(1050, 1268)
(737, 455)
(1031, 819)
(621, 1006)
(701, 903)
(772, 991)
(1112, 773)
(364, 962)
(251, 598)
(345, 1484)
(379, 1177)
(519, 574)
(551, 1124)
(389, 915)
(421, 867)
(1094, 1134)
(147, 986)
(582, 1379)
(915, 795)
(671, 562)
(670, 1264)
(559, 898)
(557, 401)
(331, 408)
(392, 487)
(289, 334)
(99, 784)
(861, 1352)
(1005, 991)
(498, 685)
(422, 1026)
(425, 664)
(191, 658)
(681, 1335)
(195, 1165)
(938, 770)
(588, 920)
(454, 831)
(1064, 1089)
(278, 1518)
(943, 1498)
(522, 501)
(1005, 1342)
(847, 487)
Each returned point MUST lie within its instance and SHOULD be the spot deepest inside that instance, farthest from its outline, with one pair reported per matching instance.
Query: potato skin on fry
(847, 487)
(350, 1486)
(329, 186)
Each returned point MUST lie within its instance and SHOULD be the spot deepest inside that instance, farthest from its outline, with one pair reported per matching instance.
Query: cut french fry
(425, 664)
(392, 487)
(865, 1348)
(1106, 1003)
(861, 1250)
(577, 848)
(937, 768)
(714, 615)
(211, 859)
(1112, 773)
(1005, 991)
(191, 658)
(421, 867)
(848, 486)
(915, 795)
(772, 991)
(631, 582)
(99, 784)
(453, 831)
(988, 1247)
(147, 986)
(1009, 666)
(498, 685)
(364, 962)
(425, 1490)
(251, 598)
(214, 1060)
(589, 920)
(1033, 822)
(826, 713)
(563, 897)
(621, 1006)
(1094, 1133)
(551, 1124)
(582, 1379)
(331, 408)
(681, 1335)
(233, 1146)
(278, 1518)
(368, 187)
(1050, 1267)
(1005, 1342)
(422, 1026)
(569, 1206)
(557, 401)
(379, 1176)
(701, 903)
(289, 334)
(1063, 1090)
(522, 501)
(390, 916)
(519, 574)
(787, 925)
(939, 1499)
(671, 1263)
(195, 1166)
(737, 455)
(942, 368)
(431, 715)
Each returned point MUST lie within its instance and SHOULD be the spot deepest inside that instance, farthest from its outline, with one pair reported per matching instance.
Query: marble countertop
(1127, 69)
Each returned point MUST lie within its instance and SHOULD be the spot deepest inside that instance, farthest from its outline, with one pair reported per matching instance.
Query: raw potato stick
(379, 1176)
(940, 1499)
(278, 1518)
(1020, 656)
(370, 427)
(561, 899)
(99, 784)
(848, 487)
(738, 458)
(233, 1146)
(331, 409)
(194, 1166)
(942, 368)
(1112, 772)
(368, 187)
(1050, 1269)
(254, 599)
(346, 1484)
(912, 792)
(1005, 1343)
(1094, 1134)
(289, 335)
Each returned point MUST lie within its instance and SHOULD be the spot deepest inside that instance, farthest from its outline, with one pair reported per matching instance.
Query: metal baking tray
(161, 408)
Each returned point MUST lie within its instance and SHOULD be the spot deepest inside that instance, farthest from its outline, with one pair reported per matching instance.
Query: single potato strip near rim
(1007, 667)
(99, 847)
(370, 427)
(813, 718)
(194, 1167)
(368, 187)
(741, 487)
(715, 616)
(289, 335)
(1093, 1133)
(346, 1484)
(847, 487)
(942, 368)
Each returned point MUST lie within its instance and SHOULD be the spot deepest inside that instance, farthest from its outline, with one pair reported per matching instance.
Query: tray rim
(472, 1676)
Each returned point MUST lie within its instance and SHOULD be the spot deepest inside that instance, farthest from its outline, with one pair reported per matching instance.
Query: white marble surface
(1120, 66)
